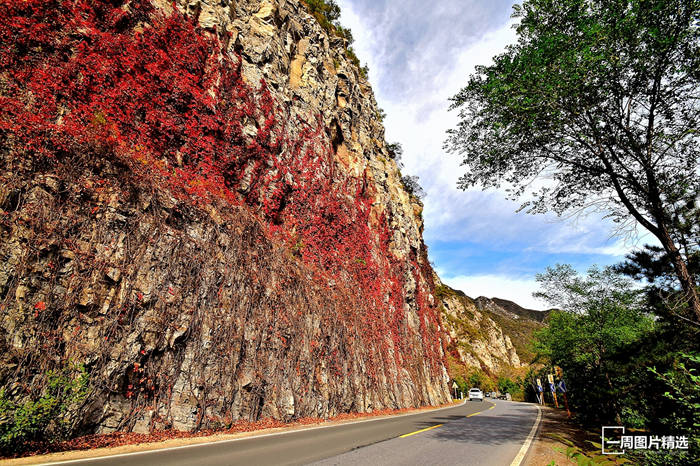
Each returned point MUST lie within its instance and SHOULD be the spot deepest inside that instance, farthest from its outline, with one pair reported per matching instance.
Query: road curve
(494, 437)
(470, 433)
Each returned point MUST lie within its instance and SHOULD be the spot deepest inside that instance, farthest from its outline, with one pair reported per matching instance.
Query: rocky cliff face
(516, 321)
(476, 340)
(199, 207)
(491, 334)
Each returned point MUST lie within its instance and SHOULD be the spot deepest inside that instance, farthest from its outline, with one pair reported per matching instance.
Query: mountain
(515, 321)
(489, 334)
(201, 221)
(510, 309)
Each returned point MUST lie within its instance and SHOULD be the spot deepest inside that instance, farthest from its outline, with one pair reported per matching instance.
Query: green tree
(478, 379)
(327, 12)
(602, 100)
(599, 325)
(508, 385)
(683, 388)
(652, 265)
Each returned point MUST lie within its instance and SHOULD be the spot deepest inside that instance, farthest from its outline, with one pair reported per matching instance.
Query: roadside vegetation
(599, 102)
(508, 380)
(43, 416)
(626, 359)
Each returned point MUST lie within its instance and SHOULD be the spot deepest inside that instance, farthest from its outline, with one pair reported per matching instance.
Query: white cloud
(419, 56)
(518, 290)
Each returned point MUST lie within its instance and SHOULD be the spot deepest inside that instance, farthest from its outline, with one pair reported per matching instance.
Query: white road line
(203, 444)
(526, 446)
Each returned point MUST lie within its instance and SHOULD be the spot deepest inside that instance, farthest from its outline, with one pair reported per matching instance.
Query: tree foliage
(652, 265)
(684, 387)
(625, 358)
(599, 324)
(508, 385)
(601, 101)
(327, 12)
(411, 184)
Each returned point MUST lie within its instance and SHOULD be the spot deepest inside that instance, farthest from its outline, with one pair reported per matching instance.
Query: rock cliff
(489, 334)
(516, 321)
(475, 339)
(198, 206)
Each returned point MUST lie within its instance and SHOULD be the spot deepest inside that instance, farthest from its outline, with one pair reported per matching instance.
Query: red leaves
(38, 307)
(95, 82)
(81, 78)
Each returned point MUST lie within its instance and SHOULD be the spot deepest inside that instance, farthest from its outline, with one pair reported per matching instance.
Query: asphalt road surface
(473, 433)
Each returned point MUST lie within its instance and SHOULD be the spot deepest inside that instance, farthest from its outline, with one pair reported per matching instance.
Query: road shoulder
(556, 434)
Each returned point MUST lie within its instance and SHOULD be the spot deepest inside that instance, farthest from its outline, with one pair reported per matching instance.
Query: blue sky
(420, 54)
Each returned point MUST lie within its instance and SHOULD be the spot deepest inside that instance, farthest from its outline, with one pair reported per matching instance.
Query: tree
(652, 265)
(508, 385)
(684, 383)
(326, 11)
(395, 150)
(599, 325)
(478, 379)
(601, 100)
(412, 186)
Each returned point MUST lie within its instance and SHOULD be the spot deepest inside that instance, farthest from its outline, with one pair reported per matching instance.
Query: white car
(476, 394)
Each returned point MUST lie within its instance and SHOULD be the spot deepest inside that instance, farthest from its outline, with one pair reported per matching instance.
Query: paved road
(491, 438)
(471, 433)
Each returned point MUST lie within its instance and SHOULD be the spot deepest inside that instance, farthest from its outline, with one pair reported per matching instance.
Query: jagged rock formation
(516, 321)
(198, 205)
(476, 340)
(485, 335)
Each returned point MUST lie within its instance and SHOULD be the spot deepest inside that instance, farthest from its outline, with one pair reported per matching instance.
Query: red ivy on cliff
(159, 95)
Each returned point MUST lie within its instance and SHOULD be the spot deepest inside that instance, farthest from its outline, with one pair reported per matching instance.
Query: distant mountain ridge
(510, 309)
(489, 333)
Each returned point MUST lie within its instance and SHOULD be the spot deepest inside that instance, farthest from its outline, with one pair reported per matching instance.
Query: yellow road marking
(474, 414)
(438, 425)
(419, 431)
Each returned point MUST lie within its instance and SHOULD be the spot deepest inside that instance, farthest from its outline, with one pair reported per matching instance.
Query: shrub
(412, 186)
(683, 384)
(44, 417)
(508, 385)
(326, 12)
